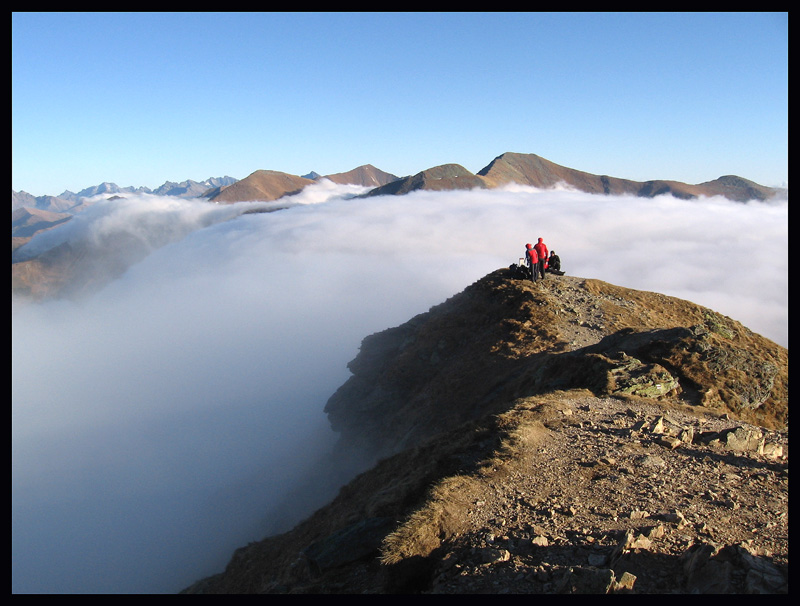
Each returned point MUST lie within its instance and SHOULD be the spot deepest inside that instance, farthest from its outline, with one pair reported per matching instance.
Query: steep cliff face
(567, 436)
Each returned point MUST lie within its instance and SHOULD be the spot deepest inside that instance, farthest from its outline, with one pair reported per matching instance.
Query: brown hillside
(439, 178)
(568, 436)
(76, 270)
(530, 169)
(263, 186)
(26, 221)
(366, 175)
(36, 279)
(736, 188)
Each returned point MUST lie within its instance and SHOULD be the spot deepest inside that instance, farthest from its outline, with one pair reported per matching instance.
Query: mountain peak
(365, 175)
(438, 178)
(262, 185)
(530, 169)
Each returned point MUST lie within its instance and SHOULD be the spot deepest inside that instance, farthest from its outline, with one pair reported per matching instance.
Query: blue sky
(142, 98)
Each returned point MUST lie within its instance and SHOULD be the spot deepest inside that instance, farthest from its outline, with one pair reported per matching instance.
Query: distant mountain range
(70, 202)
(533, 170)
(510, 167)
(522, 169)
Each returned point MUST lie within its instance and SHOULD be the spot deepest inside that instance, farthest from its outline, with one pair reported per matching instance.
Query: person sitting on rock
(554, 264)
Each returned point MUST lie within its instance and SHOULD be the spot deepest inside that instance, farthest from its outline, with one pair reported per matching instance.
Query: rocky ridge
(568, 436)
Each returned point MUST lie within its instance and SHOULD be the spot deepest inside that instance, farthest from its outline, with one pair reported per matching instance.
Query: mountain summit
(568, 436)
(366, 176)
(530, 169)
(438, 178)
(262, 185)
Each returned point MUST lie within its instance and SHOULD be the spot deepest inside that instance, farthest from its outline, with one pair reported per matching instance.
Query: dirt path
(601, 472)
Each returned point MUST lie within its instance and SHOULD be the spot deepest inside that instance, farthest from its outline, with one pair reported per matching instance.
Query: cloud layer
(158, 425)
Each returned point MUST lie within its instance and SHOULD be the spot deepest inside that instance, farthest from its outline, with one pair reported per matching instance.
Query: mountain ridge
(535, 171)
(568, 436)
(532, 170)
(509, 167)
(26, 221)
(269, 185)
(68, 201)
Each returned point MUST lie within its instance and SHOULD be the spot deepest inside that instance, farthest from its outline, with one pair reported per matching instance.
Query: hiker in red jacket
(541, 251)
(532, 258)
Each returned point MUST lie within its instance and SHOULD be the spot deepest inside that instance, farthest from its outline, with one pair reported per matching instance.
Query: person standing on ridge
(532, 259)
(541, 251)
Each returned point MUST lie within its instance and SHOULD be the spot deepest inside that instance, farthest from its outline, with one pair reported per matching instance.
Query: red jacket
(541, 249)
(533, 256)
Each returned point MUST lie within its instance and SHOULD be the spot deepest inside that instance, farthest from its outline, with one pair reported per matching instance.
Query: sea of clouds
(162, 422)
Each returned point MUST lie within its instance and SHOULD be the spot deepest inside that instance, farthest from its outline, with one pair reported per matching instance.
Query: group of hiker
(539, 263)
